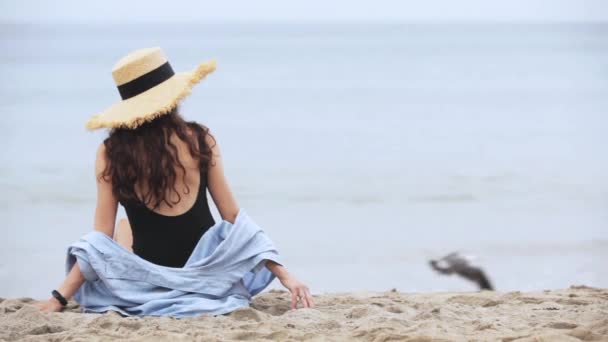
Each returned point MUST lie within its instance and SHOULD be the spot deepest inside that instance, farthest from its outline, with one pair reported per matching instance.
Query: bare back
(187, 184)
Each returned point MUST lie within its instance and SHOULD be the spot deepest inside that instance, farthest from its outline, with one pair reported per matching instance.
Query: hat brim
(152, 103)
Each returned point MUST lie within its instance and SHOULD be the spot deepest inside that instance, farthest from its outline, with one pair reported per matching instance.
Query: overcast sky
(407, 10)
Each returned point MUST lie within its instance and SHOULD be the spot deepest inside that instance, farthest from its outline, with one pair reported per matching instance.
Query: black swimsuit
(169, 240)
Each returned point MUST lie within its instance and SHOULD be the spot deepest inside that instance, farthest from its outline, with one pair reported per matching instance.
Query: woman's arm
(105, 216)
(299, 291)
(107, 204)
(218, 185)
(226, 204)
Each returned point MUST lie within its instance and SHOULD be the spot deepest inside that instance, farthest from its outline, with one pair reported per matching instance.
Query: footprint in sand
(11, 306)
(274, 308)
(358, 312)
(248, 336)
(561, 325)
(246, 314)
(45, 329)
(130, 324)
(105, 322)
(390, 307)
(394, 309)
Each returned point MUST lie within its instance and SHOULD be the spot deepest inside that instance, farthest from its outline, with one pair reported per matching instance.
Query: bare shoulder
(101, 150)
(100, 159)
(101, 155)
(211, 140)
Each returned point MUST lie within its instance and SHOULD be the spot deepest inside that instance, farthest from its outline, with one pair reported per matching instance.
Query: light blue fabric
(226, 268)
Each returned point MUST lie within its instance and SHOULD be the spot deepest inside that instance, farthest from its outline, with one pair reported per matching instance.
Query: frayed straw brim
(152, 103)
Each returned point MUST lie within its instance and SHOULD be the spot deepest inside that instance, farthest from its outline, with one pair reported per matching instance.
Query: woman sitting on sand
(174, 259)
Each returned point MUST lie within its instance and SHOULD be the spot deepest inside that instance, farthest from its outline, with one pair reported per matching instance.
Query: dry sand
(578, 313)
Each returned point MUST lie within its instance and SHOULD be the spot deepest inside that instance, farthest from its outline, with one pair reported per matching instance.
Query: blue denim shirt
(226, 268)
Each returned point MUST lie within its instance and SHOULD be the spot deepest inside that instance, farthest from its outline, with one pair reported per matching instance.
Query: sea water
(363, 149)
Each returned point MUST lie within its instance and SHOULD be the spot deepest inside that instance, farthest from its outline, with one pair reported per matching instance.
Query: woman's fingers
(301, 294)
(294, 299)
(304, 298)
(309, 298)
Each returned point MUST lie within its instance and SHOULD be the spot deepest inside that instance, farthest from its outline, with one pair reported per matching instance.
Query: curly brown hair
(146, 158)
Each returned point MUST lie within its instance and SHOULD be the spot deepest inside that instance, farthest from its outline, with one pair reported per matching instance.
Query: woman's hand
(50, 305)
(299, 292)
(72, 282)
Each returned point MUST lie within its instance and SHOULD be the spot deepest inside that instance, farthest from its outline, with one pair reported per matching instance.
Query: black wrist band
(59, 297)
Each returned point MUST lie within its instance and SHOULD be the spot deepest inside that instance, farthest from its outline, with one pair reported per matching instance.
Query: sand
(577, 313)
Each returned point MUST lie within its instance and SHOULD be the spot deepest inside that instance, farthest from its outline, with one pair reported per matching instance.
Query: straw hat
(149, 88)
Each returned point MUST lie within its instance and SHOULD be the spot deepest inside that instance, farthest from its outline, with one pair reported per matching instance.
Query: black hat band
(146, 81)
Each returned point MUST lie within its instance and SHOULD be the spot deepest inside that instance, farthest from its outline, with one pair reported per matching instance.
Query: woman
(159, 167)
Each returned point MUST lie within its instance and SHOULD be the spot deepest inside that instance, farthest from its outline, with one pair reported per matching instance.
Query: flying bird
(454, 263)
